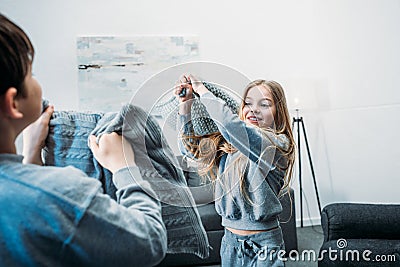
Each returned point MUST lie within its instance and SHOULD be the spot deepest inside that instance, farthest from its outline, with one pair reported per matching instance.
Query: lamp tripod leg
(311, 165)
(297, 120)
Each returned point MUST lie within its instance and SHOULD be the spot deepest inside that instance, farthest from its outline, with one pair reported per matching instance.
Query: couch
(212, 222)
(358, 234)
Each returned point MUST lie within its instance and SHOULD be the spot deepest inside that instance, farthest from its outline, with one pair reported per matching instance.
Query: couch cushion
(211, 220)
(357, 220)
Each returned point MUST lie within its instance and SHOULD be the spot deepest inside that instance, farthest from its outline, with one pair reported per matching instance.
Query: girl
(250, 161)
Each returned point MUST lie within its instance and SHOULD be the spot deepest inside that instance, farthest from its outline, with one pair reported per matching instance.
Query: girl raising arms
(250, 161)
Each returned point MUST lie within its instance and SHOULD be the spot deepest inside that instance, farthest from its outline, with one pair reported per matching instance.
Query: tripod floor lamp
(298, 121)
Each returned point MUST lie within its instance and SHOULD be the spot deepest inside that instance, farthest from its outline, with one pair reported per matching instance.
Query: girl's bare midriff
(246, 232)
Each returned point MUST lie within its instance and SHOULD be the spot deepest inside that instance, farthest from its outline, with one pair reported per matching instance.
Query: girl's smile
(259, 108)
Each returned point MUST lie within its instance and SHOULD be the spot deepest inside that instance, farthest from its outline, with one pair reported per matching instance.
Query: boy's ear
(10, 103)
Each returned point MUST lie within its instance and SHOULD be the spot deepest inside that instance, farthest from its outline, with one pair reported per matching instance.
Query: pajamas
(259, 249)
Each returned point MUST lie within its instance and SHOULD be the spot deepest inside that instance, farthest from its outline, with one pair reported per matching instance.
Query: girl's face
(259, 107)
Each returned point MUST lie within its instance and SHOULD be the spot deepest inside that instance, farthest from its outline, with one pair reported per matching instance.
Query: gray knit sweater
(67, 145)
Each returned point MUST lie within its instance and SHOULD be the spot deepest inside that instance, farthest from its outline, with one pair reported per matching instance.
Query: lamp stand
(300, 123)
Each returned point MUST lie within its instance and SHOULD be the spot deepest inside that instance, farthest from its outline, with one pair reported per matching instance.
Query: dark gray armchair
(360, 235)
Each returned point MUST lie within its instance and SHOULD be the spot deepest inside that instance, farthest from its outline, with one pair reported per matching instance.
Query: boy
(54, 216)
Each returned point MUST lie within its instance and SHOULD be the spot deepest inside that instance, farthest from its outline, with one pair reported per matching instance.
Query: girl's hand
(113, 152)
(197, 85)
(34, 137)
(183, 89)
(183, 85)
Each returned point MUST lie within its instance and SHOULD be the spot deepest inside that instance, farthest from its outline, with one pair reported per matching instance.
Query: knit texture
(67, 144)
(203, 124)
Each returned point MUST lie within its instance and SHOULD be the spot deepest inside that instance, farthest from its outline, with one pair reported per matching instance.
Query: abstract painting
(111, 69)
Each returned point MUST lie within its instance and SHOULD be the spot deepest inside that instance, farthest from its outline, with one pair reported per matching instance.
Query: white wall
(341, 57)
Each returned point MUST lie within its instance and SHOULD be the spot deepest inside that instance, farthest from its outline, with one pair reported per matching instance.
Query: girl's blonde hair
(209, 149)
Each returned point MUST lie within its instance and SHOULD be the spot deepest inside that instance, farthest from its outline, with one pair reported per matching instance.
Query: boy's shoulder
(67, 182)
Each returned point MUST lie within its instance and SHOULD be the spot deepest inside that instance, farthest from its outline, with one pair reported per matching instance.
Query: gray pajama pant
(259, 249)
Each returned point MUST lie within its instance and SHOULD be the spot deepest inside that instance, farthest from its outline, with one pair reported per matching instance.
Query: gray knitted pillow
(201, 120)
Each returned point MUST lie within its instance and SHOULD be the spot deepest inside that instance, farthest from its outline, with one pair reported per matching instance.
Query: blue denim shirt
(258, 160)
(53, 216)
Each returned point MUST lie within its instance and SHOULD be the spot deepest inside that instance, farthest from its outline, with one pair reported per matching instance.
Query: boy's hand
(113, 152)
(34, 137)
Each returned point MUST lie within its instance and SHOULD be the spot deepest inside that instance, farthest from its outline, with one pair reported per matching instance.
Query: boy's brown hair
(16, 56)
